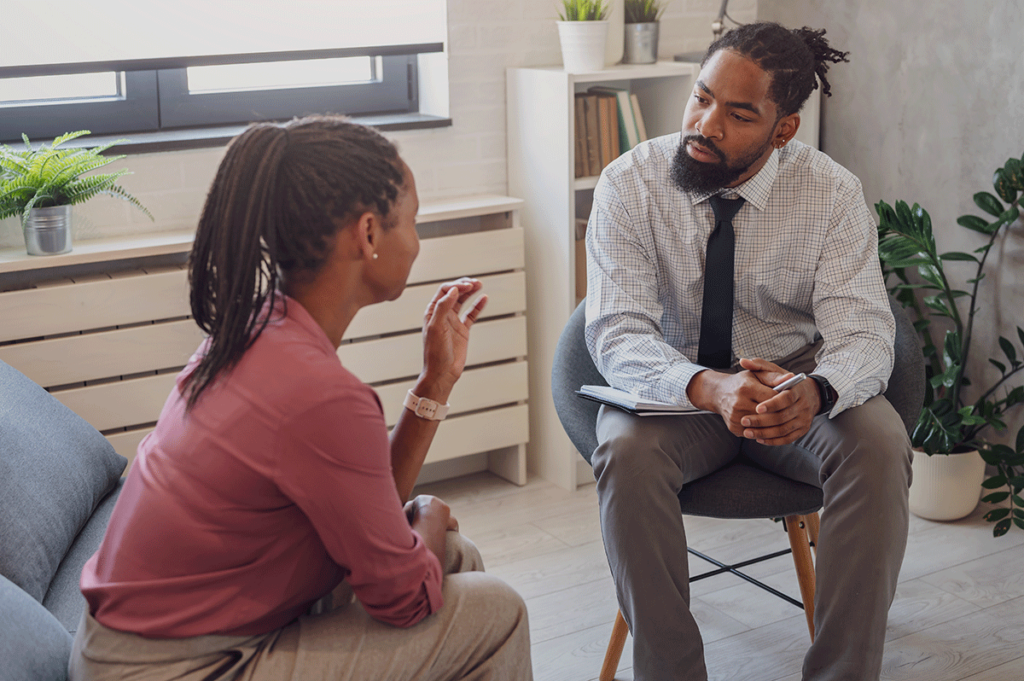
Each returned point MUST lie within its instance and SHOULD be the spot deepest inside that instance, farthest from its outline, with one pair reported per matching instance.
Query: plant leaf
(996, 514)
(1020, 443)
(998, 365)
(988, 203)
(955, 255)
(1001, 528)
(995, 482)
(1004, 186)
(1014, 170)
(1008, 350)
(973, 222)
(996, 497)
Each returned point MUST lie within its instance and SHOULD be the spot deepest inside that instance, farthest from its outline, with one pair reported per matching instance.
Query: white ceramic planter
(946, 486)
(583, 45)
(616, 40)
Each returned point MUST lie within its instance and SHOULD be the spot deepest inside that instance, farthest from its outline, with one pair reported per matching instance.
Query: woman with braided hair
(264, 531)
(721, 261)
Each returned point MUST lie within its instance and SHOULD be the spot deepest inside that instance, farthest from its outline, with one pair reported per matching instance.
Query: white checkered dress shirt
(806, 263)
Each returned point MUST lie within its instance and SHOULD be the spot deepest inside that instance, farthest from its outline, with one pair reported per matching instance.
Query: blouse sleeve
(335, 464)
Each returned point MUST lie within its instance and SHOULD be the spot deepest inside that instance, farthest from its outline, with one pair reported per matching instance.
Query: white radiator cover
(109, 345)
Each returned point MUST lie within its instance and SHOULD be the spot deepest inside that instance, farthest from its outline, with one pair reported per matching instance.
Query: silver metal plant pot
(48, 230)
(641, 44)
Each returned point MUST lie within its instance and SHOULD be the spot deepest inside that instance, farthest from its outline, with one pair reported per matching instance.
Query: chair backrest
(573, 367)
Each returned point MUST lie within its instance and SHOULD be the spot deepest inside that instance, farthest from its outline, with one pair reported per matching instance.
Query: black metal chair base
(734, 569)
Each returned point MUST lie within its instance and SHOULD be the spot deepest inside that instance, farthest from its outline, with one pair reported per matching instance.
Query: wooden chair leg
(812, 529)
(796, 528)
(615, 645)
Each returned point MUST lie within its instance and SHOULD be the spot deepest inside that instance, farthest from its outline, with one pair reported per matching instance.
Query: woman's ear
(366, 231)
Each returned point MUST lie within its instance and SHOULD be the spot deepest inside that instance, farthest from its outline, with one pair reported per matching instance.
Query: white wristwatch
(424, 408)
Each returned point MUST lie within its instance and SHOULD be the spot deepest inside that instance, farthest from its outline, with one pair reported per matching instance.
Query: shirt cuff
(675, 380)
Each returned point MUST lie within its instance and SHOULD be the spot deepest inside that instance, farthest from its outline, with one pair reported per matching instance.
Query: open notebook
(631, 403)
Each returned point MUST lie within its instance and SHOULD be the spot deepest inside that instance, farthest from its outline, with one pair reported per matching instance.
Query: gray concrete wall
(931, 103)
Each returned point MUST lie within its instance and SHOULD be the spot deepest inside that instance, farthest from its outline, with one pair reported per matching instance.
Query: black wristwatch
(827, 393)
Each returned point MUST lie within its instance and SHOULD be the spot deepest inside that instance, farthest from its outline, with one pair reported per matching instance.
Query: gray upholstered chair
(740, 490)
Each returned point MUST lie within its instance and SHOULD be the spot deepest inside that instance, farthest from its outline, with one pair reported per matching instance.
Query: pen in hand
(787, 384)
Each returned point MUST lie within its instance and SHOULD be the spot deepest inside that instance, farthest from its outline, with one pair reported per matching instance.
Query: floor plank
(956, 615)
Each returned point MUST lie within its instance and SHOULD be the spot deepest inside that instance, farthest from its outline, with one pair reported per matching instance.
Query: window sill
(218, 136)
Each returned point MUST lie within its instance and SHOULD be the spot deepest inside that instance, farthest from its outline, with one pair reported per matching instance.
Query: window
(212, 63)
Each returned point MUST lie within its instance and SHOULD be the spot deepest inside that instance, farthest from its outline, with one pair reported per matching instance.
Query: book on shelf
(629, 135)
(580, 117)
(642, 131)
(593, 138)
(631, 403)
(605, 113)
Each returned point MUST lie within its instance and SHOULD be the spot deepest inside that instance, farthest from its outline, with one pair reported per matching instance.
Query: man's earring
(375, 256)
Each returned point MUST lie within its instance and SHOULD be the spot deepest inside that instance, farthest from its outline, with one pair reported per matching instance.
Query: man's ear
(785, 130)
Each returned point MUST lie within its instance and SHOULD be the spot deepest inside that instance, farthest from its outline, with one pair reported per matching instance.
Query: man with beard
(802, 292)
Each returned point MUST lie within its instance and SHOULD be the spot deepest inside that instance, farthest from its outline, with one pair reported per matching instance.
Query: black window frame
(156, 97)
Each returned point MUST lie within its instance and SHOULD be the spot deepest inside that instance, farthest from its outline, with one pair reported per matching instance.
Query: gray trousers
(480, 634)
(860, 460)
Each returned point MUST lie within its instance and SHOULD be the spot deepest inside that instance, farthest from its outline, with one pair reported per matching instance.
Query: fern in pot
(950, 423)
(41, 185)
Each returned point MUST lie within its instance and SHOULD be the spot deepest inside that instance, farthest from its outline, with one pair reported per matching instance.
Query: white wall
(485, 37)
(928, 107)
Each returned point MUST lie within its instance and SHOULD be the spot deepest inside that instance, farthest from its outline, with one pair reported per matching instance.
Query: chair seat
(741, 490)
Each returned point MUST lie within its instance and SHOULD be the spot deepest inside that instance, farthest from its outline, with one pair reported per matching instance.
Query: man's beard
(691, 175)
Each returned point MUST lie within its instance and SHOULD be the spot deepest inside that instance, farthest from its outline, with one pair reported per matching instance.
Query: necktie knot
(725, 209)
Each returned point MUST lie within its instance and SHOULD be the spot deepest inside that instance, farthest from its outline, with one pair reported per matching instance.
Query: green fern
(49, 176)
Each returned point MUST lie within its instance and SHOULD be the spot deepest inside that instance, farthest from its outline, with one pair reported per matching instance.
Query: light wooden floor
(958, 613)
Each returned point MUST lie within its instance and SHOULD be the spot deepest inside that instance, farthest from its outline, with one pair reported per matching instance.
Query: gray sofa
(59, 479)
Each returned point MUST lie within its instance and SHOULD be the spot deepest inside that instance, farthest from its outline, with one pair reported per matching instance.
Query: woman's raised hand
(446, 325)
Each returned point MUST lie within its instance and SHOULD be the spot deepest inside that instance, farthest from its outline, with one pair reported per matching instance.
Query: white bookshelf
(541, 134)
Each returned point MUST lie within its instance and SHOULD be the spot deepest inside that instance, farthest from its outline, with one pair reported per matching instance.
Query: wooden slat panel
(92, 356)
(127, 443)
(451, 257)
(480, 433)
(477, 389)
(93, 305)
(124, 403)
(397, 357)
(506, 293)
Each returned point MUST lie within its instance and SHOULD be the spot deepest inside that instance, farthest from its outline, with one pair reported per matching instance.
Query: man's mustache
(706, 143)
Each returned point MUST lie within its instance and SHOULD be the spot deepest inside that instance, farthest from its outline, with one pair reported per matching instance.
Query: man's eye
(741, 118)
(700, 99)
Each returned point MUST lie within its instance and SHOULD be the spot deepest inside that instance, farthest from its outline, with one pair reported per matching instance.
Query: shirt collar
(755, 191)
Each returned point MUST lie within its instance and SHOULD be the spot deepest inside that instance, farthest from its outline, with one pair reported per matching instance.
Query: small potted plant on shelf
(641, 39)
(41, 185)
(583, 33)
(949, 477)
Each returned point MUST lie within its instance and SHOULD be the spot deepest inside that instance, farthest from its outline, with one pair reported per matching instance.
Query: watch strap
(827, 394)
(425, 408)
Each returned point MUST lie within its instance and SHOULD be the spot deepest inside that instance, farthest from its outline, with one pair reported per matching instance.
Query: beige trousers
(480, 634)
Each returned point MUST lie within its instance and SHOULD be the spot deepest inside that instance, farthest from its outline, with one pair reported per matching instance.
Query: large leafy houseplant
(948, 422)
(51, 176)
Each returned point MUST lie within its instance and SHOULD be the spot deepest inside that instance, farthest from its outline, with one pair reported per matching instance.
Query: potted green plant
(950, 423)
(641, 39)
(41, 185)
(583, 34)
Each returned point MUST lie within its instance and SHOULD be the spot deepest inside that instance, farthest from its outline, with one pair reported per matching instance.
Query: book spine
(582, 167)
(640, 128)
(593, 135)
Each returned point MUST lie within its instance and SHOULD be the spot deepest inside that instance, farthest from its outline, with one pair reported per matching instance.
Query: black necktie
(715, 348)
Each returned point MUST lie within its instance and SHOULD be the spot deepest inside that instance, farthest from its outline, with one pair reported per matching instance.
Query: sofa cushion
(54, 470)
(33, 644)
(64, 600)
